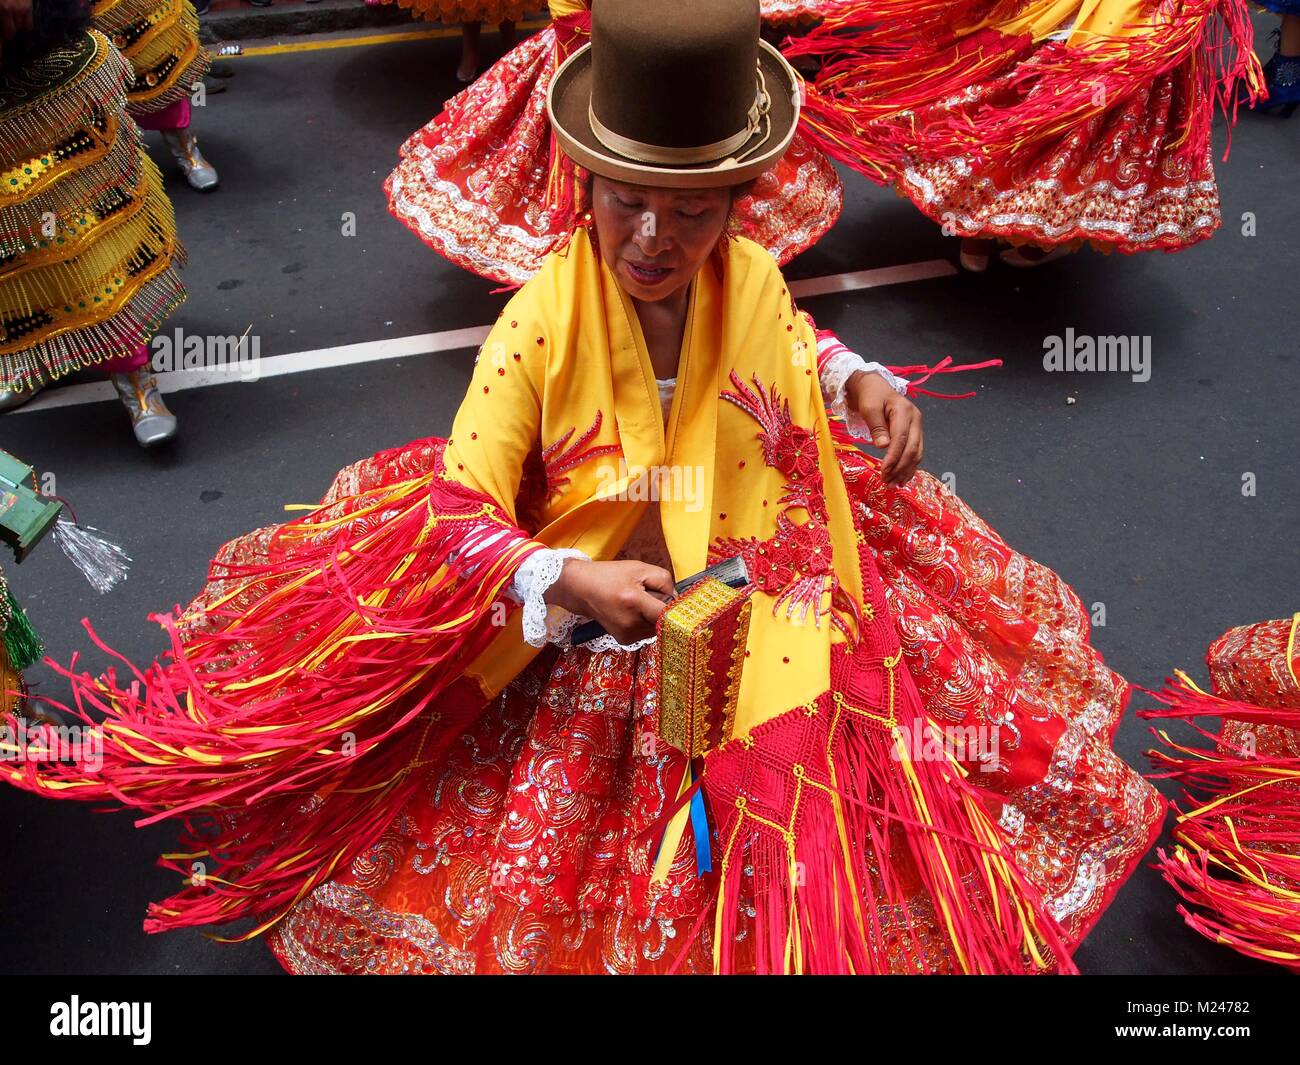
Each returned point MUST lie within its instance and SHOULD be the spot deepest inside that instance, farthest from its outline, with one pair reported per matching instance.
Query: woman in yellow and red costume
(161, 40)
(485, 184)
(386, 751)
(1044, 124)
(1236, 859)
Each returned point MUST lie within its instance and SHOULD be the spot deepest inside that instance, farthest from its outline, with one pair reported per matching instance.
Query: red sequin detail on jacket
(562, 456)
(793, 565)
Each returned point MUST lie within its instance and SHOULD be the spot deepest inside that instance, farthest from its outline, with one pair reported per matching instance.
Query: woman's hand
(626, 597)
(894, 421)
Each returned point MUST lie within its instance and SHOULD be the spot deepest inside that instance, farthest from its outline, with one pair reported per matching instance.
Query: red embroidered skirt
(992, 133)
(525, 846)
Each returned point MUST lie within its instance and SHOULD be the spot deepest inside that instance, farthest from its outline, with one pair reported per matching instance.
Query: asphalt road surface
(1133, 491)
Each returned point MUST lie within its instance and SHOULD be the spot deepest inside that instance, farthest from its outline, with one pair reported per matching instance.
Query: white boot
(185, 150)
(151, 421)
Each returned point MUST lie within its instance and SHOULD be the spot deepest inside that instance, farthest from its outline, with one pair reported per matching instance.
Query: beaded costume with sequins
(1236, 859)
(485, 185)
(88, 245)
(160, 38)
(522, 851)
(373, 763)
(1035, 122)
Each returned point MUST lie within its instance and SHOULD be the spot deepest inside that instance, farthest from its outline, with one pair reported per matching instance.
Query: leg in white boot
(184, 147)
(151, 421)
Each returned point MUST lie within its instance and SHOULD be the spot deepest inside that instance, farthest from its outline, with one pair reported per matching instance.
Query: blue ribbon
(700, 826)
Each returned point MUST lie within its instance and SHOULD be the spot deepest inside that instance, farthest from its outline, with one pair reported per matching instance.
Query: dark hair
(54, 23)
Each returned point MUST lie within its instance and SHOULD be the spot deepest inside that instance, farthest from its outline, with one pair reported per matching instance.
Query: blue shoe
(1282, 79)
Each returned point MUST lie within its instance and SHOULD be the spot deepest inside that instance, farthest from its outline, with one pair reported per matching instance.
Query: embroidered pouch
(702, 637)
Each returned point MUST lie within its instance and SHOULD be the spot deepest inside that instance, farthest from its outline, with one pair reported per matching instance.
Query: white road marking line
(428, 343)
(273, 366)
(885, 275)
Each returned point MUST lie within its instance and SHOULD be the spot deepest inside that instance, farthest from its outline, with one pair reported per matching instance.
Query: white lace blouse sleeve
(544, 622)
(837, 365)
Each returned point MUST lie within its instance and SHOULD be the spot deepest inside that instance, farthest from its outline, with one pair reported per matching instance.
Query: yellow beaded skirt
(160, 38)
(88, 245)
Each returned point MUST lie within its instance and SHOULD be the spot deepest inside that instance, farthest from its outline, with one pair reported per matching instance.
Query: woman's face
(656, 240)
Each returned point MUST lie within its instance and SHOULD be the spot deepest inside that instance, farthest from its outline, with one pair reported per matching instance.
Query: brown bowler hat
(675, 94)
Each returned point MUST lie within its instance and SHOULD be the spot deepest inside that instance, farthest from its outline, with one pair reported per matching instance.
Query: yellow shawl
(567, 356)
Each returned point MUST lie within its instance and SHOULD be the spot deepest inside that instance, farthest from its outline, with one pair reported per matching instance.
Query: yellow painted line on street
(353, 42)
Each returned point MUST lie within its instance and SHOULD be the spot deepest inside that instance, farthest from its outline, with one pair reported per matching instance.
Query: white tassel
(100, 560)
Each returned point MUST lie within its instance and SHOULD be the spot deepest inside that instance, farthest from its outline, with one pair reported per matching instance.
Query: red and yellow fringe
(843, 833)
(285, 725)
(1237, 860)
(882, 60)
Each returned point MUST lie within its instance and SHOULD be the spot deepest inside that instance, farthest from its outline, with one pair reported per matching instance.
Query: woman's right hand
(626, 597)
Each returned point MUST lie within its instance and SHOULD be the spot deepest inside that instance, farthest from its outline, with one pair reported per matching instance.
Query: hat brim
(569, 97)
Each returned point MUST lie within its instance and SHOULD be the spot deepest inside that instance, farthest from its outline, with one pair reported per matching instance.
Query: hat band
(643, 152)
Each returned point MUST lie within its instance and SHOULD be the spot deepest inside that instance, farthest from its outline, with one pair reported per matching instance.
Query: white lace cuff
(843, 364)
(835, 373)
(608, 643)
(543, 622)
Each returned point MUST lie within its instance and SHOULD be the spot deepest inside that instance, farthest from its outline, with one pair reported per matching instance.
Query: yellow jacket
(568, 355)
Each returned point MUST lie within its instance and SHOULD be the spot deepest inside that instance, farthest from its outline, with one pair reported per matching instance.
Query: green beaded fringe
(21, 642)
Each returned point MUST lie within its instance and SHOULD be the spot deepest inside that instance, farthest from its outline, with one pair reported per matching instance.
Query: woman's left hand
(894, 421)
